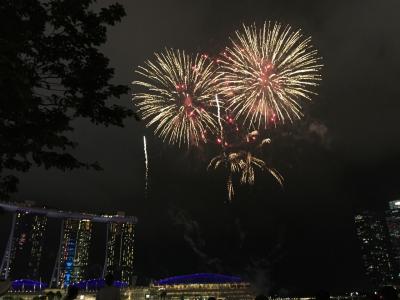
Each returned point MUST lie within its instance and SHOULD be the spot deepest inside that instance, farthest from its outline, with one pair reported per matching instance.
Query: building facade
(375, 248)
(24, 250)
(74, 251)
(201, 286)
(393, 224)
(120, 252)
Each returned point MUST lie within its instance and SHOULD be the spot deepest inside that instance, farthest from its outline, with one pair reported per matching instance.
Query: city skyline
(23, 255)
(377, 232)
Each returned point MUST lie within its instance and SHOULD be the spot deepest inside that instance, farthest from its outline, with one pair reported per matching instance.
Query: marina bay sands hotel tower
(25, 251)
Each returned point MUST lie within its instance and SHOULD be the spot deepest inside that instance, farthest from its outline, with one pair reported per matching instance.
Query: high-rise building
(25, 246)
(120, 252)
(393, 224)
(23, 255)
(74, 251)
(374, 240)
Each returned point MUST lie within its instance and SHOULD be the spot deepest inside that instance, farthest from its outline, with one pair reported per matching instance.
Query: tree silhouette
(52, 72)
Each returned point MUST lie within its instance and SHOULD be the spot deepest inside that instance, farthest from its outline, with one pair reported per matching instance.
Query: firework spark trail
(177, 97)
(219, 118)
(266, 72)
(242, 163)
(146, 163)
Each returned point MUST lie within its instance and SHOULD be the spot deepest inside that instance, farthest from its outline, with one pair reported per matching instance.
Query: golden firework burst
(178, 97)
(266, 72)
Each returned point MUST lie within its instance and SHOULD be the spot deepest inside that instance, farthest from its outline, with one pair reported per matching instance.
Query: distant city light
(373, 238)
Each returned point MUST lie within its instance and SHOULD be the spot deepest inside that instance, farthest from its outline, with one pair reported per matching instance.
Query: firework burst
(243, 163)
(266, 72)
(179, 93)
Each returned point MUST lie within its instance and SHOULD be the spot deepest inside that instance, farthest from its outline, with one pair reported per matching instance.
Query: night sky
(300, 238)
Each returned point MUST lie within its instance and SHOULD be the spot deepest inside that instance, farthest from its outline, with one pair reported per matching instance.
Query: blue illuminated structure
(27, 285)
(95, 284)
(200, 278)
(69, 262)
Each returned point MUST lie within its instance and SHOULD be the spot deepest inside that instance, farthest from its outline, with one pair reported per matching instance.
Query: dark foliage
(52, 72)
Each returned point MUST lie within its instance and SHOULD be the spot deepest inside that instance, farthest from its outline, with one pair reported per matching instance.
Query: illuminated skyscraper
(393, 224)
(120, 252)
(83, 240)
(25, 246)
(23, 255)
(372, 234)
(74, 251)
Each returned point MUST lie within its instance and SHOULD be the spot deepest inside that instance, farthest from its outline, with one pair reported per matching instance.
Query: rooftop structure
(95, 284)
(54, 213)
(27, 285)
